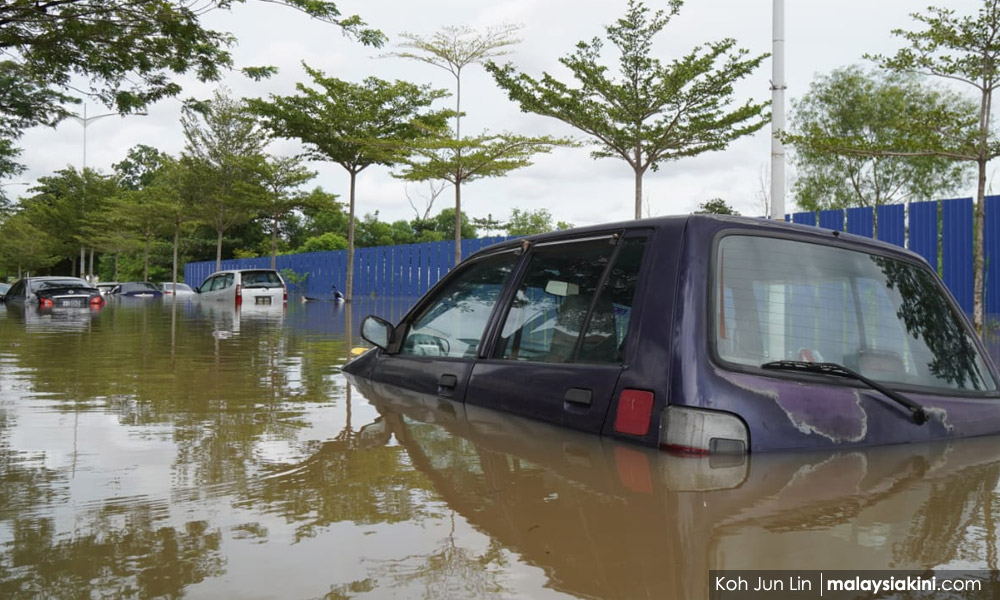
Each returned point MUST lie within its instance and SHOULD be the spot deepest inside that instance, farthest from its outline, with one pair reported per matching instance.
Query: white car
(180, 289)
(244, 287)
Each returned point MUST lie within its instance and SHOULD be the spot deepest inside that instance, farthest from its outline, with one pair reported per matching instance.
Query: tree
(280, 178)
(529, 222)
(458, 159)
(654, 113)
(959, 49)
(225, 152)
(855, 105)
(461, 160)
(715, 206)
(126, 50)
(354, 125)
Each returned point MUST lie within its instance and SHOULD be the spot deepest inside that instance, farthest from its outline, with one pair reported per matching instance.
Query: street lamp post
(86, 121)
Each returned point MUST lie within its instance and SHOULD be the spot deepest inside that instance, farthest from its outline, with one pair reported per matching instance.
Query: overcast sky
(821, 35)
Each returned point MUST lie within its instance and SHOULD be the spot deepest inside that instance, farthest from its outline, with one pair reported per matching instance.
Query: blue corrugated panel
(956, 249)
(991, 253)
(924, 231)
(832, 219)
(804, 218)
(892, 223)
(861, 221)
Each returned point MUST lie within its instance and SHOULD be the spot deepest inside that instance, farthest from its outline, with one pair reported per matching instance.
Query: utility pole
(778, 111)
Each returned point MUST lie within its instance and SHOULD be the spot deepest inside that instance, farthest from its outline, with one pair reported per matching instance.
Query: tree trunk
(349, 293)
(177, 238)
(83, 261)
(977, 250)
(458, 221)
(218, 250)
(145, 261)
(638, 193)
(90, 268)
(274, 244)
(72, 266)
(117, 255)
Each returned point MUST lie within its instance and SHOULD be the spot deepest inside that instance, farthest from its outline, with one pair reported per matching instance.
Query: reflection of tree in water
(928, 316)
(125, 554)
(952, 524)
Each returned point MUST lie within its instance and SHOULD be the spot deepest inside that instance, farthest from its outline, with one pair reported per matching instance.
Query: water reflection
(183, 450)
(611, 520)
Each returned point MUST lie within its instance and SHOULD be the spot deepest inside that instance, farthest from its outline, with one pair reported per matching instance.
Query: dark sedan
(54, 292)
(137, 289)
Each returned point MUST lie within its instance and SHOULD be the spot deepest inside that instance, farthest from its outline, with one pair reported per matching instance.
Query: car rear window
(62, 283)
(260, 279)
(138, 287)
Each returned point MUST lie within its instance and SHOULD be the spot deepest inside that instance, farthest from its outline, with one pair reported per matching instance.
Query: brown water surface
(167, 450)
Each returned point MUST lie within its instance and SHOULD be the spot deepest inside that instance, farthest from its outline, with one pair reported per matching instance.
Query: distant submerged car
(53, 292)
(136, 289)
(169, 288)
(3, 289)
(244, 287)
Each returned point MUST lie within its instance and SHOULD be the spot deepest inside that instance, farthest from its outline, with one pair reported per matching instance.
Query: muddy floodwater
(180, 450)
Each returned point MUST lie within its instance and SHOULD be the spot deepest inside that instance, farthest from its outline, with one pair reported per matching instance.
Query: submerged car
(699, 334)
(3, 289)
(258, 287)
(106, 286)
(136, 289)
(54, 292)
(170, 288)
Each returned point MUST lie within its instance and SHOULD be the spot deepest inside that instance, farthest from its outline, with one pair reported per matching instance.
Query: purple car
(699, 334)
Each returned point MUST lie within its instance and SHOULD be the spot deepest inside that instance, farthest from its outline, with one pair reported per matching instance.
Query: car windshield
(260, 279)
(778, 299)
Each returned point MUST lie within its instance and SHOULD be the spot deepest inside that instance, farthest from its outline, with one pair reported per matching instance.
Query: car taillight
(634, 410)
(239, 294)
(96, 301)
(46, 303)
(698, 431)
(284, 294)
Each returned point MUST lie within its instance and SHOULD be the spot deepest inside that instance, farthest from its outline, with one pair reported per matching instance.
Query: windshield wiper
(917, 412)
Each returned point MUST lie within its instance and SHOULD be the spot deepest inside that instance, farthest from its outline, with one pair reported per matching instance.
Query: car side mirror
(377, 331)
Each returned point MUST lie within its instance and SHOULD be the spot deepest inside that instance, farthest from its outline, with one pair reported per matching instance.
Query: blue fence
(939, 231)
(396, 271)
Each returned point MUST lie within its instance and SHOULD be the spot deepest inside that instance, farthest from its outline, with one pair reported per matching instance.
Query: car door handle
(578, 396)
(447, 384)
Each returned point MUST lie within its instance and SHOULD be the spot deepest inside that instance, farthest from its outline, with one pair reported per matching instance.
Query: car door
(558, 351)
(438, 342)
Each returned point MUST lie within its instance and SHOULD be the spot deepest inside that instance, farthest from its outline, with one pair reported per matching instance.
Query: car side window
(551, 306)
(230, 277)
(556, 303)
(454, 322)
(17, 291)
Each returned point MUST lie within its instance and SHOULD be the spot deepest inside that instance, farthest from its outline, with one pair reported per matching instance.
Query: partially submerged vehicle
(699, 334)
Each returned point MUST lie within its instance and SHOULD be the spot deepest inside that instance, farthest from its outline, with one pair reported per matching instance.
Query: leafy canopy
(125, 51)
(852, 106)
(650, 112)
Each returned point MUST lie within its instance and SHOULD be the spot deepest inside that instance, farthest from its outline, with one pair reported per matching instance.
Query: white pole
(778, 111)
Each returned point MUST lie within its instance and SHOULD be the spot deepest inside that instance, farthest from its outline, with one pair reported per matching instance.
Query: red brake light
(284, 292)
(634, 410)
(239, 294)
(46, 303)
(96, 301)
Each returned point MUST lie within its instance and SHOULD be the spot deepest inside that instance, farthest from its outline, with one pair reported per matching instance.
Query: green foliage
(354, 125)
(323, 243)
(125, 50)
(864, 108)
(715, 206)
(529, 222)
(226, 163)
(653, 112)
